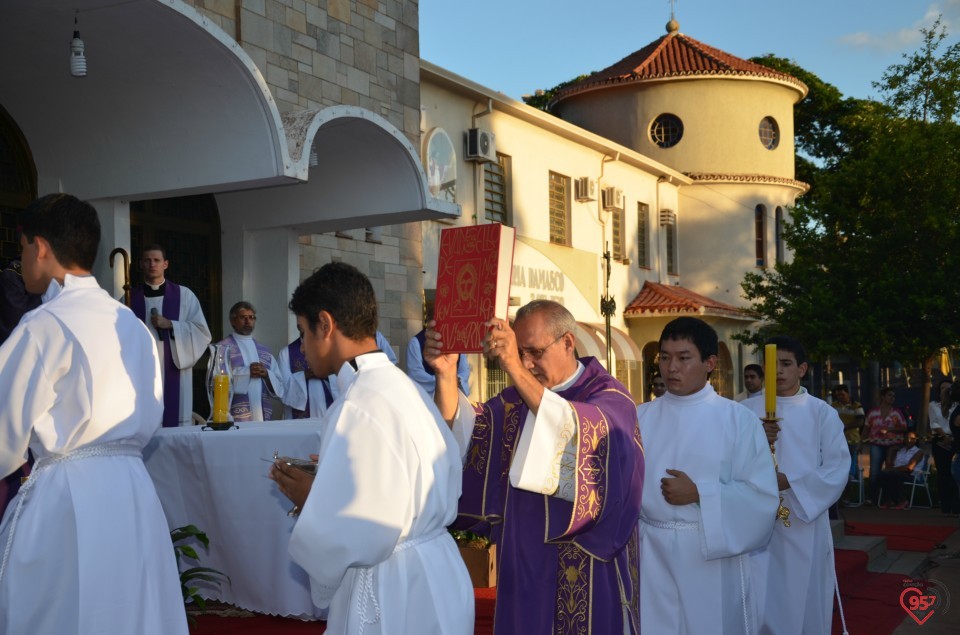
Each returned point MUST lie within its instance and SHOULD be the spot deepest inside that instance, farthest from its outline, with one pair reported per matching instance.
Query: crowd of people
(681, 515)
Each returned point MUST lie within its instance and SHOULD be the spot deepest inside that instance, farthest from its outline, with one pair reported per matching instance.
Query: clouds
(905, 38)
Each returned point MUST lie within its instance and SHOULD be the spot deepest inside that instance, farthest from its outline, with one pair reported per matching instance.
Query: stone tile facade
(365, 53)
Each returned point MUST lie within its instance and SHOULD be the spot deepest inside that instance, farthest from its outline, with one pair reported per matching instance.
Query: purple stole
(561, 564)
(240, 408)
(298, 364)
(171, 374)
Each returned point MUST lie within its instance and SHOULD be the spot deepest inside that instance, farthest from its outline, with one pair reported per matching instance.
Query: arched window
(778, 233)
(759, 224)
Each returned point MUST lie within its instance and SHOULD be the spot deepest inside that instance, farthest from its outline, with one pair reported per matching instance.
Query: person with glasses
(553, 474)
(710, 496)
(256, 372)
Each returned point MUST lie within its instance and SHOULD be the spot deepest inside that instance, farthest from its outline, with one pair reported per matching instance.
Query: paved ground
(941, 565)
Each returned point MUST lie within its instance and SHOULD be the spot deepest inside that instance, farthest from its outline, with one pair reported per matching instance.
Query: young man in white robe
(175, 319)
(709, 497)
(794, 573)
(372, 533)
(85, 543)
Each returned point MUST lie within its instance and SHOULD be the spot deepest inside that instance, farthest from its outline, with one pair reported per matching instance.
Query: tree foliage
(874, 242)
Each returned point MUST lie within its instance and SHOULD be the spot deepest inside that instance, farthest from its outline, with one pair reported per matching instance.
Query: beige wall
(721, 119)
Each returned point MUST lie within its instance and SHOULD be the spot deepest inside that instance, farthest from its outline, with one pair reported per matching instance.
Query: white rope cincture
(117, 448)
(367, 596)
(669, 524)
(836, 588)
(743, 595)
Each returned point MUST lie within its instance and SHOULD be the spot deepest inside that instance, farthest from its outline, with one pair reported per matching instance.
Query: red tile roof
(675, 55)
(660, 299)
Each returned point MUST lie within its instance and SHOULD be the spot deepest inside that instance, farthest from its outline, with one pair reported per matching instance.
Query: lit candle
(770, 377)
(221, 399)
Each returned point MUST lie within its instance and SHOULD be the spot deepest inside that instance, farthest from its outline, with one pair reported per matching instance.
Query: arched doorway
(722, 377)
(18, 184)
(188, 228)
(651, 366)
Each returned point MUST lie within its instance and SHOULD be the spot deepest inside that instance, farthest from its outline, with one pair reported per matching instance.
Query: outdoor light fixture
(314, 159)
(78, 62)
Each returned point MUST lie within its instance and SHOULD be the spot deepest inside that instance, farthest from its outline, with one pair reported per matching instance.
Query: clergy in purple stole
(567, 538)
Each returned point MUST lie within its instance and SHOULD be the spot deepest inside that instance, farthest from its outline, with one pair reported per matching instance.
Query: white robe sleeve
(294, 384)
(729, 511)
(384, 345)
(415, 369)
(357, 507)
(191, 336)
(26, 388)
(545, 440)
(463, 423)
(274, 387)
(811, 494)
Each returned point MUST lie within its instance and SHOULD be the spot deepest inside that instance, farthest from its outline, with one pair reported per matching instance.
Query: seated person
(906, 464)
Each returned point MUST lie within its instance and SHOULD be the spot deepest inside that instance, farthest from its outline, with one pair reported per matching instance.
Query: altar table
(217, 480)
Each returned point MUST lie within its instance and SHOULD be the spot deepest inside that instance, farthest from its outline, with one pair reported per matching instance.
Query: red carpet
(903, 537)
(269, 625)
(871, 601)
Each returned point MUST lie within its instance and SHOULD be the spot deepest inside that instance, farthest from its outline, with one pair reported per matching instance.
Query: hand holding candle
(770, 379)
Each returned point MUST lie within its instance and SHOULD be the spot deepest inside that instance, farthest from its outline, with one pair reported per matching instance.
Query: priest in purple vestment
(553, 474)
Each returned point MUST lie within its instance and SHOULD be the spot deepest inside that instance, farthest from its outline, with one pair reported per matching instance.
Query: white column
(114, 217)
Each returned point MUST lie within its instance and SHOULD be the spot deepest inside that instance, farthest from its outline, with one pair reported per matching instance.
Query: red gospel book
(473, 283)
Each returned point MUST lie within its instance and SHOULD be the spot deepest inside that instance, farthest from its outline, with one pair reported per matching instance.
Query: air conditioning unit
(480, 145)
(585, 189)
(667, 217)
(612, 199)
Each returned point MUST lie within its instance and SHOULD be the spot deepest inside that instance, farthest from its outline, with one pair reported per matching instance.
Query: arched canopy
(366, 174)
(171, 105)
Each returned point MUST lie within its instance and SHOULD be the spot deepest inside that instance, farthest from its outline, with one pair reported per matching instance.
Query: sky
(518, 46)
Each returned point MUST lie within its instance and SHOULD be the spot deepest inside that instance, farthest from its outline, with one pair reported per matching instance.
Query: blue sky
(517, 46)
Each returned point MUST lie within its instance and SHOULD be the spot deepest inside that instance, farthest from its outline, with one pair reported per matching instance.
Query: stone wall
(319, 53)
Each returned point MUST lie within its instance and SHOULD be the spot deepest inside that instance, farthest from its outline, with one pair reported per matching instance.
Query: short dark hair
(154, 247)
(242, 304)
(887, 390)
(70, 225)
(695, 330)
(791, 345)
(945, 380)
(342, 291)
(757, 368)
(839, 388)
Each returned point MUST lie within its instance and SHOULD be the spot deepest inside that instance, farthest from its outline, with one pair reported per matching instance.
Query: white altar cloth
(217, 481)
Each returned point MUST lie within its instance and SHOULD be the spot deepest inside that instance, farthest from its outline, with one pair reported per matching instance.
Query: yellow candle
(770, 377)
(221, 398)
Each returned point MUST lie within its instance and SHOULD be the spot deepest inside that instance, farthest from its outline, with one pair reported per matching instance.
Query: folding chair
(857, 479)
(921, 480)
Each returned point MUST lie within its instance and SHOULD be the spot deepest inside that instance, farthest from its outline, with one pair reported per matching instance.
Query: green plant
(470, 539)
(192, 575)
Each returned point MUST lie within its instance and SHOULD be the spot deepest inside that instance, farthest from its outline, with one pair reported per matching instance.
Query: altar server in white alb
(372, 533)
(85, 543)
(795, 571)
(709, 496)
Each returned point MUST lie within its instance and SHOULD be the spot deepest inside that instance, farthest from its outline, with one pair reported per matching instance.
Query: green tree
(874, 242)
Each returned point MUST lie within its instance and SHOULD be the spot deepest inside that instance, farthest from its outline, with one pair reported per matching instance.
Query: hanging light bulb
(78, 61)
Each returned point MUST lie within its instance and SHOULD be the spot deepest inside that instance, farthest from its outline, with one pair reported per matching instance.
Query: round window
(666, 130)
(769, 133)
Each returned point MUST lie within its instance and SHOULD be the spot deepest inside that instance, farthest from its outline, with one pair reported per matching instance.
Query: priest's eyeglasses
(536, 353)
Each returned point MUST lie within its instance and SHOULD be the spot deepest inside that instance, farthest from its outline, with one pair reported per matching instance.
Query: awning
(589, 343)
(623, 346)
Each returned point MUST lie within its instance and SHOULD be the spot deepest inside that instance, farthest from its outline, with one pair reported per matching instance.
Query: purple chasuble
(563, 567)
(240, 408)
(171, 374)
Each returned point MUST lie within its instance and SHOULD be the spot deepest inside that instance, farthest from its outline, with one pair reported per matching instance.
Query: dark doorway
(18, 184)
